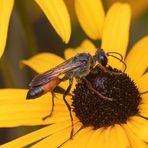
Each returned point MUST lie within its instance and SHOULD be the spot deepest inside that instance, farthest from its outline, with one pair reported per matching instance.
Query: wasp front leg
(104, 69)
(88, 84)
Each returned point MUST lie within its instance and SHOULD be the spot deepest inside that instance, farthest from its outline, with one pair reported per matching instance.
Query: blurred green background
(30, 33)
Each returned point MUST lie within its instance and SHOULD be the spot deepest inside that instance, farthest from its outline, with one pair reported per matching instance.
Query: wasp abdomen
(35, 92)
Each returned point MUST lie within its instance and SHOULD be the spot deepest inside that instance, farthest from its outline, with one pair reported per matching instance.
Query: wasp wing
(49, 75)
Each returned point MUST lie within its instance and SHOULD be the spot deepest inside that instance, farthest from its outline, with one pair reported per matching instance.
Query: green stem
(27, 26)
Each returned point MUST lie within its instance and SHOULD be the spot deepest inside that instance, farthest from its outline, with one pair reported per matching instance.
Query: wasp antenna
(120, 61)
(110, 53)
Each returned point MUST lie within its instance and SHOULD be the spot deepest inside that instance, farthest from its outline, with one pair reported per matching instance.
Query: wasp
(76, 67)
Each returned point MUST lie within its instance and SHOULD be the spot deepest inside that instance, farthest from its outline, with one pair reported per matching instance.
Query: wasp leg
(104, 69)
(144, 93)
(52, 107)
(95, 91)
(68, 106)
(73, 136)
(139, 115)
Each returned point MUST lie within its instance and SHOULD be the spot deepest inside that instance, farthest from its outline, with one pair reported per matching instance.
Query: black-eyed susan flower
(55, 11)
(105, 124)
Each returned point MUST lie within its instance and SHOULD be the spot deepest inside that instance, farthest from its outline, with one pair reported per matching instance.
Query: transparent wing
(47, 76)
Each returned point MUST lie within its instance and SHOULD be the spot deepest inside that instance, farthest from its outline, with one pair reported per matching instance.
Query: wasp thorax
(93, 110)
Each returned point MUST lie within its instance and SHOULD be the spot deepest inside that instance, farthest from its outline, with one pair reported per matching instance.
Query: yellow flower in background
(55, 11)
(137, 7)
(113, 30)
(5, 12)
(90, 21)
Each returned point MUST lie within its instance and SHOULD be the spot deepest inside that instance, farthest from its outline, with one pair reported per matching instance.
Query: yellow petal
(135, 142)
(97, 139)
(69, 53)
(116, 31)
(36, 135)
(142, 84)
(58, 138)
(91, 17)
(115, 134)
(144, 100)
(43, 62)
(139, 127)
(86, 46)
(137, 59)
(6, 7)
(143, 108)
(138, 8)
(83, 136)
(17, 111)
(57, 14)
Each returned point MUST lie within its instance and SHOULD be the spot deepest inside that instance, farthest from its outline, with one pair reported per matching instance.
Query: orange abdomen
(38, 91)
(48, 87)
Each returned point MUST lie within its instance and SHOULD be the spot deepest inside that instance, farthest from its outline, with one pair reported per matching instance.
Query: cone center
(92, 110)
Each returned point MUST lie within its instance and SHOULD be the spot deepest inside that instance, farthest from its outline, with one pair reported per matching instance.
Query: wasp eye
(101, 57)
(103, 60)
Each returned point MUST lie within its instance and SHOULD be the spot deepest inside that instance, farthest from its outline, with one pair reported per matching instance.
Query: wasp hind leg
(52, 107)
(68, 106)
(142, 93)
(73, 136)
(88, 84)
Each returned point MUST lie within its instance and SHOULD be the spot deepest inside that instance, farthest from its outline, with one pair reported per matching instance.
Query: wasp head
(101, 57)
